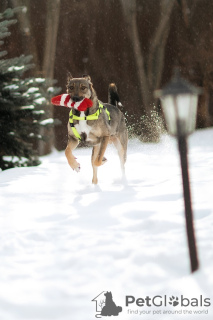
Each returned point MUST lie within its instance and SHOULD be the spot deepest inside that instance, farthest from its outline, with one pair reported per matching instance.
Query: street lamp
(179, 103)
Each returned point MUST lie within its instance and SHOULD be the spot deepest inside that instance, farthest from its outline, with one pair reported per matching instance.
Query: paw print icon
(174, 301)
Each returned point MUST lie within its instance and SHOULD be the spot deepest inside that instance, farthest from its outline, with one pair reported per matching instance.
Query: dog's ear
(69, 76)
(87, 77)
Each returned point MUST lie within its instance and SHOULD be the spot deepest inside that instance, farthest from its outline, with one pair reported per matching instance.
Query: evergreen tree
(24, 105)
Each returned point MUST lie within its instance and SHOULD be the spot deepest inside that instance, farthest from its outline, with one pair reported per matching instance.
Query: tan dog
(108, 125)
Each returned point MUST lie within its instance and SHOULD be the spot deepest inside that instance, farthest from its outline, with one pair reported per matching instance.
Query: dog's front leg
(71, 145)
(104, 142)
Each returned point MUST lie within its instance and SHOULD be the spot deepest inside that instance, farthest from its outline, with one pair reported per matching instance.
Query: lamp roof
(177, 86)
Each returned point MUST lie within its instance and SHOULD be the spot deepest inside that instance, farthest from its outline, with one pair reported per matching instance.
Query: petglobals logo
(164, 301)
(151, 305)
(105, 306)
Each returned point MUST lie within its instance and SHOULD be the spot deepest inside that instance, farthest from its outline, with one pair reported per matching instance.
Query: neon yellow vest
(93, 116)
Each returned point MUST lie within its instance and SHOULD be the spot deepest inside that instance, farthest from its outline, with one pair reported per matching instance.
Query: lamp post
(179, 103)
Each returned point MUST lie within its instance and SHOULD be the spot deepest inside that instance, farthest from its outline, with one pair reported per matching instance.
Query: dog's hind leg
(95, 152)
(121, 145)
(71, 145)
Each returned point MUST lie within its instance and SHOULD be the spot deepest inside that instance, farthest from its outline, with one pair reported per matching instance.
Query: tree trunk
(53, 11)
(28, 41)
(52, 22)
(158, 43)
(150, 71)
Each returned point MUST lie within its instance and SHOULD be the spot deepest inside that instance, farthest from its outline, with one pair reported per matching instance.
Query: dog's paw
(75, 165)
(95, 181)
(77, 168)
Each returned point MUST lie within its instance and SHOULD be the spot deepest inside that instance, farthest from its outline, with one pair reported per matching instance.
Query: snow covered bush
(23, 106)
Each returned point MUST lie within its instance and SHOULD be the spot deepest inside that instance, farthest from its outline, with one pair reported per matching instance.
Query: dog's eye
(71, 87)
(83, 88)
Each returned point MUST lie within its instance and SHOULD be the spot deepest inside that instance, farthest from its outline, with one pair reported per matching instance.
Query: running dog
(98, 125)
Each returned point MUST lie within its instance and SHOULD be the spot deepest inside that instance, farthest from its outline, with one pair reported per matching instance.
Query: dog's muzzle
(76, 98)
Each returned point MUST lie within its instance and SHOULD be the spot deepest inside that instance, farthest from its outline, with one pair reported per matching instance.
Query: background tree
(27, 40)
(149, 66)
(195, 52)
(44, 66)
(22, 105)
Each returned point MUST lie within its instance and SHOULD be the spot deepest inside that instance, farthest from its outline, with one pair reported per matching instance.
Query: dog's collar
(93, 116)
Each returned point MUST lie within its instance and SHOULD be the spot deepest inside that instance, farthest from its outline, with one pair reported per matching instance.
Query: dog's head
(80, 88)
(108, 295)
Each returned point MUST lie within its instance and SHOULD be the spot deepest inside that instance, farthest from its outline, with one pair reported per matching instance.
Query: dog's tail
(113, 97)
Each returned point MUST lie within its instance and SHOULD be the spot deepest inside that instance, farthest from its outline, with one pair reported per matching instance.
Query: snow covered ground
(64, 241)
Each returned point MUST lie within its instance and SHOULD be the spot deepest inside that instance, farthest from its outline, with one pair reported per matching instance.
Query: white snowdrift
(63, 241)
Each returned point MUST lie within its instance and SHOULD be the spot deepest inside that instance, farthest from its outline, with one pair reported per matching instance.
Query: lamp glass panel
(193, 113)
(187, 111)
(168, 105)
(182, 108)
